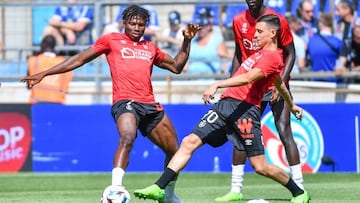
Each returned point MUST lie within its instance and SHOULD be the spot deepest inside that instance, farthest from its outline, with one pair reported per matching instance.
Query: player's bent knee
(190, 142)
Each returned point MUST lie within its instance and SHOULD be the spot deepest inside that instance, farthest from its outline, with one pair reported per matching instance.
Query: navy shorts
(148, 116)
(276, 107)
(234, 121)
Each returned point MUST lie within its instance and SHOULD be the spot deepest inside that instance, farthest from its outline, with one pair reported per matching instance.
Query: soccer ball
(257, 200)
(115, 194)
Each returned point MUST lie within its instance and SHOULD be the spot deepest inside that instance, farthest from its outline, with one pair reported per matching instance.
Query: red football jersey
(270, 62)
(244, 31)
(131, 65)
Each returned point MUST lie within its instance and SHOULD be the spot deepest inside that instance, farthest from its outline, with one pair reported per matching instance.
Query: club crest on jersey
(202, 123)
(244, 28)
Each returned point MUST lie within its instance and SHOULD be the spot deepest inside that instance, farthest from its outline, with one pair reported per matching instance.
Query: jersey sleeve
(159, 56)
(101, 45)
(285, 37)
(269, 64)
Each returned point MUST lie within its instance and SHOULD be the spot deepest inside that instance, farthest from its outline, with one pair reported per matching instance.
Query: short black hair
(270, 19)
(136, 11)
(48, 43)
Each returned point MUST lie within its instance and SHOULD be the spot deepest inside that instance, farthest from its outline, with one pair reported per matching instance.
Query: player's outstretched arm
(281, 87)
(65, 66)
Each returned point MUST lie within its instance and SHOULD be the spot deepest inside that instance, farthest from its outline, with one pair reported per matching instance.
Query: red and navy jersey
(244, 31)
(271, 63)
(131, 65)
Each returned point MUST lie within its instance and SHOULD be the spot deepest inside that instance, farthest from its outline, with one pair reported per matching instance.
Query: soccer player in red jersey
(245, 45)
(131, 61)
(236, 116)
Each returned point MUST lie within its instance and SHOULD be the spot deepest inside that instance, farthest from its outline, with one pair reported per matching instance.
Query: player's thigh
(164, 135)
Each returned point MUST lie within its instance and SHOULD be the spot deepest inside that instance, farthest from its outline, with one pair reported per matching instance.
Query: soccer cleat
(229, 197)
(303, 198)
(153, 192)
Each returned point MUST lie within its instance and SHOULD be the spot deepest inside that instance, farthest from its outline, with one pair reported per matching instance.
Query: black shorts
(234, 121)
(148, 116)
(276, 107)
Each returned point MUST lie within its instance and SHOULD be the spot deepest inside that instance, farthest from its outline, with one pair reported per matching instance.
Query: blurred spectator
(349, 59)
(300, 46)
(208, 52)
(51, 89)
(316, 3)
(345, 13)
(308, 21)
(324, 48)
(210, 11)
(151, 28)
(71, 24)
(171, 38)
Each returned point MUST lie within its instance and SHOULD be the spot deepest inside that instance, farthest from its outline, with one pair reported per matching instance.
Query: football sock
(117, 176)
(297, 175)
(237, 177)
(170, 189)
(165, 178)
(294, 189)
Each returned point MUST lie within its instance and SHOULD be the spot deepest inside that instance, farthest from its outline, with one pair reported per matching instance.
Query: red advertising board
(15, 138)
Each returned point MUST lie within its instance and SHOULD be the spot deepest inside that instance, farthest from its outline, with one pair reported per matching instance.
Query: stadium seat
(231, 11)
(215, 9)
(277, 5)
(40, 18)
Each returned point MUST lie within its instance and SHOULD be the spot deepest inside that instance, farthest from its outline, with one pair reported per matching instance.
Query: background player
(134, 107)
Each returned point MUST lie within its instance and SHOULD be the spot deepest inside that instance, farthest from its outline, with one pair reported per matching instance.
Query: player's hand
(190, 31)
(275, 96)
(33, 79)
(298, 112)
(209, 93)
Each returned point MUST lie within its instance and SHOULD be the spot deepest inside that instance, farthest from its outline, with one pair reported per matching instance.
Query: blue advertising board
(84, 139)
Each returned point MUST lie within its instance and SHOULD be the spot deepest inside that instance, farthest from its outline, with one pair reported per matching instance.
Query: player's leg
(238, 166)
(164, 136)
(156, 191)
(212, 131)
(261, 167)
(237, 177)
(281, 112)
(127, 128)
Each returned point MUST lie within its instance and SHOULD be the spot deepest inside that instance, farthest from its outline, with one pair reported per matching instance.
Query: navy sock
(165, 178)
(294, 189)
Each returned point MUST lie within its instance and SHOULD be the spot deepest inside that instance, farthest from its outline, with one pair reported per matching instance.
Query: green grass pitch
(191, 187)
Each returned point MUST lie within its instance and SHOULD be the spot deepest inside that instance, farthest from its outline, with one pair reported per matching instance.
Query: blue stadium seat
(40, 18)
(215, 11)
(277, 5)
(231, 11)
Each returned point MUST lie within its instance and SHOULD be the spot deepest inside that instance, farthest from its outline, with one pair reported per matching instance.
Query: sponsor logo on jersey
(307, 135)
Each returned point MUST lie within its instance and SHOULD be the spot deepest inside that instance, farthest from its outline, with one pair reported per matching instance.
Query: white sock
(170, 190)
(297, 175)
(237, 177)
(117, 176)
